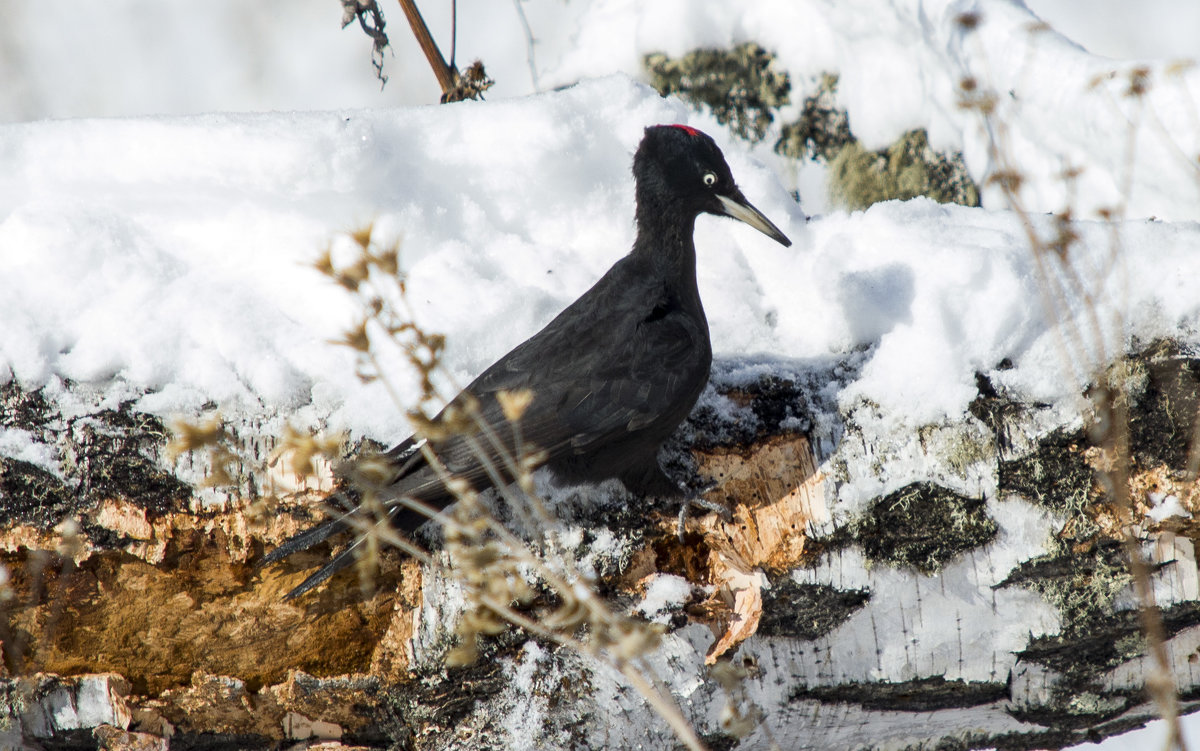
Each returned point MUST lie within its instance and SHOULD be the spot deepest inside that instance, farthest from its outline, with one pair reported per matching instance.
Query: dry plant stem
(515, 461)
(657, 696)
(529, 42)
(1160, 686)
(388, 534)
(1007, 176)
(598, 612)
(514, 544)
(521, 502)
(447, 75)
(615, 639)
(1111, 411)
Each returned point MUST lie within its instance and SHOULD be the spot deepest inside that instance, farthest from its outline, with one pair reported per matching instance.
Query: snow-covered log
(982, 603)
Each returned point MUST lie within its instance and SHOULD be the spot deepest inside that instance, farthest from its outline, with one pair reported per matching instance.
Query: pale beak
(743, 211)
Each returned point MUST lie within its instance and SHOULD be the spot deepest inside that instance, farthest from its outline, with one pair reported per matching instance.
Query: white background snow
(168, 247)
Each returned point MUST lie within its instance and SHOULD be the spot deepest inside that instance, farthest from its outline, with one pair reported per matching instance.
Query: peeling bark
(977, 598)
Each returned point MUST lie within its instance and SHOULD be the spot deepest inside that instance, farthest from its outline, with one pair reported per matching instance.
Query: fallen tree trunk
(879, 584)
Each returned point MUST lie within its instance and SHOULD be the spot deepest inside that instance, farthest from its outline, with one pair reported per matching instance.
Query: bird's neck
(665, 241)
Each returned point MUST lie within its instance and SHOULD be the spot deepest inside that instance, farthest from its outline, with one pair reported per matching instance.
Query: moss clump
(920, 695)
(906, 169)
(1082, 655)
(110, 453)
(924, 526)
(822, 129)
(807, 611)
(1054, 476)
(743, 90)
(24, 409)
(31, 495)
(1164, 398)
(776, 406)
(859, 177)
(1081, 585)
(740, 85)
(115, 454)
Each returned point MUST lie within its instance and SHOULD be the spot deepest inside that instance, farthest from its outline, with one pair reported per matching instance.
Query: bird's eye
(710, 179)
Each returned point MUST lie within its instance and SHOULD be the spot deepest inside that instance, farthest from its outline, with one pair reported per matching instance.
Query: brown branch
(447, 75)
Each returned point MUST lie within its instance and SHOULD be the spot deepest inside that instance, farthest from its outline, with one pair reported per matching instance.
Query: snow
(164, 254)
(1121, 30)
(20, 444)
(664, 592)
(132, 254)
(1166, 506)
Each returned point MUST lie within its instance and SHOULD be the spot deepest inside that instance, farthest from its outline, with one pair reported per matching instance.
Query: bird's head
(677, 164)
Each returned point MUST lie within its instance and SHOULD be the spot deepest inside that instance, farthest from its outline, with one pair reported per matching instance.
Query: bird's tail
(401, 518)
(305, 540)
(315, 536)
(342, 560)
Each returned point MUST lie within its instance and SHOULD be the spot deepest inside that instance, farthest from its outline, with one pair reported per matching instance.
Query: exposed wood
(877, 620)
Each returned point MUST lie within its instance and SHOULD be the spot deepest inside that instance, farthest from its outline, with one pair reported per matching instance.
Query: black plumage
(613, 374)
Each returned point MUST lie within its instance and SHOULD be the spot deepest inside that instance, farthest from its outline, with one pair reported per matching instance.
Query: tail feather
(401, 517)
(340, 561)
(306, 539)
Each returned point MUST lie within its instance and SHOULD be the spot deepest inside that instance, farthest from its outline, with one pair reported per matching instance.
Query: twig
(447, 75)
(529, 43)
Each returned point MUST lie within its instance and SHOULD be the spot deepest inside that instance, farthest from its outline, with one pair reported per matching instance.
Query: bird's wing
(625, 357)
(602, 376)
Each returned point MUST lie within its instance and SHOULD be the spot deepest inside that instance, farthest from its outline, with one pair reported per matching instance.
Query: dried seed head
(374, 471)
(260, 511)
(426, 427)
(636, 639)
(356, 338)
(484, 621)
(520, 591)
(1098, 80)
(479, 558)
(191, 436)
(1177, 68)
(728, 675)
(302, 448)
(1072, 173)
(533, 459)
(569, 616)
(968, 21)
(514, 403)
(526, 484)
(219, 476)
(458, 416)
(1139, 82)
(70, 543)
(1008, 180)
(737, 723)
(458, 487)
(362, 236)
(388, 260)
(354, 275)
(324, 263)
